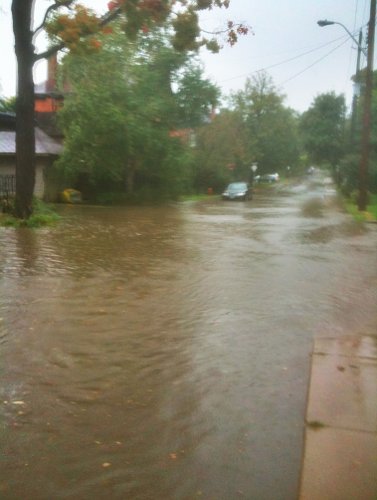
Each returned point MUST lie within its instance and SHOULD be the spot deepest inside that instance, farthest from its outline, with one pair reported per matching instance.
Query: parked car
(237, 191)
(71, 196)
(267, 178)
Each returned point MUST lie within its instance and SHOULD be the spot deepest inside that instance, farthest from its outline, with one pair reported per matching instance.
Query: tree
(322, 128)
(349, 172)
(270, 127)
(118, 119)
(221, 152)
(196, 97)
(72, 30)
(257, 127)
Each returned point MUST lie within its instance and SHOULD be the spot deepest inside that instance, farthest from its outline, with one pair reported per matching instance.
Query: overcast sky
(302, 59)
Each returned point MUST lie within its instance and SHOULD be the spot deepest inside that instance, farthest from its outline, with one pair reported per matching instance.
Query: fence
(7, 191)
(7, 186)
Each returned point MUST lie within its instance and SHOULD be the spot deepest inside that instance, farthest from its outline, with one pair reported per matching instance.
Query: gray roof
(44, 145)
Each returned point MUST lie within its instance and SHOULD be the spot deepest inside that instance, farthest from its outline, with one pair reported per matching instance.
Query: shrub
(43, 215)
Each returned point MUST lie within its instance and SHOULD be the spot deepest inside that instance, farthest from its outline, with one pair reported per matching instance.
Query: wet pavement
(340, 458)
(165, 352)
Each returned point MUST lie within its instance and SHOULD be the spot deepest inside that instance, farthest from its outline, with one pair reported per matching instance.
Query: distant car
(267, 178)
(237, 191)
(71, 196)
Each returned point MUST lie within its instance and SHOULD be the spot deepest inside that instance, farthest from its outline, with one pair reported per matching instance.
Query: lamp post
(325, 22)
(365, 139)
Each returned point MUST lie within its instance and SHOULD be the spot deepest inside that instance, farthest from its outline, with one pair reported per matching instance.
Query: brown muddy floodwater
(163, 353)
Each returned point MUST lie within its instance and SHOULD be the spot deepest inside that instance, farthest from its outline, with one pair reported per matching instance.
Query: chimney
(52, 66)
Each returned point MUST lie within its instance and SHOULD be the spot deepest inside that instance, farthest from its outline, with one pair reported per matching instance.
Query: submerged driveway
(164, 353)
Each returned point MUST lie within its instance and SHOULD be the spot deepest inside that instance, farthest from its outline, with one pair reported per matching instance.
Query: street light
(325, 22)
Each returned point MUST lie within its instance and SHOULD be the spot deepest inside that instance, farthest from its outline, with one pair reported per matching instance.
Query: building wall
(7, 167)
(48, 104)
(39, 187)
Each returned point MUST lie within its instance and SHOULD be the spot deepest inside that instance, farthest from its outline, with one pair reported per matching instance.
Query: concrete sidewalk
(340, 456)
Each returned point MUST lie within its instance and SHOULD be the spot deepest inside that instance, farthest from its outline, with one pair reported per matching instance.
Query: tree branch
(223, 31)
(55, 6)
(106, 19)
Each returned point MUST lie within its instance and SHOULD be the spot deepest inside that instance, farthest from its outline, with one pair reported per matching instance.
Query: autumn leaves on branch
(77, 28)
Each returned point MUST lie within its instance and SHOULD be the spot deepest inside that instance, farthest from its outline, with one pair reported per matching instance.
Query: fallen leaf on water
(173, 456)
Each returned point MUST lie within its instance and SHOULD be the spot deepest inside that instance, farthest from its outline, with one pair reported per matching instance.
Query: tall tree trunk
(25, 135)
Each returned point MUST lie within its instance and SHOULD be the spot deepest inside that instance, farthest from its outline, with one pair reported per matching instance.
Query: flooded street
(163, 353)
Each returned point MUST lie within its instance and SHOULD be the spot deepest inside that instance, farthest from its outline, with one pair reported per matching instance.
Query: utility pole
(365, 141)
(356, 91)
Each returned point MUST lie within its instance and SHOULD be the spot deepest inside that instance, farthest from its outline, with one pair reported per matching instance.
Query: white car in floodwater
(237, 191)
(267, 178)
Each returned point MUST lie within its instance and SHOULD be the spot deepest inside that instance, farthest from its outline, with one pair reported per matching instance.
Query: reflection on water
(163, 353)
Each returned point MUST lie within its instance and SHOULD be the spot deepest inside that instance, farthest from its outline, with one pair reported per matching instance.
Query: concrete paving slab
(339, 465)
(343, 392)
(340, 456)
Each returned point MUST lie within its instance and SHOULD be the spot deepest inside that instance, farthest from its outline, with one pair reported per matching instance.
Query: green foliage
(372, 206)
(322, 128)
(196, 97)
(258, 128)
(347, 176)
(270, 127)
(120, 115)
(220, 144)
(43, 215)
(8, 104)
(187, 30)
(371, 211)
(348, 173)
(77, 27)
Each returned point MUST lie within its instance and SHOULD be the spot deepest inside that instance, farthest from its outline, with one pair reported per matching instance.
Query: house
(48, 138)
(47, 151)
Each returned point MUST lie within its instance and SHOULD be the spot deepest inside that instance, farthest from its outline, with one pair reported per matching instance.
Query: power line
(314, 63)
(344, 38)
